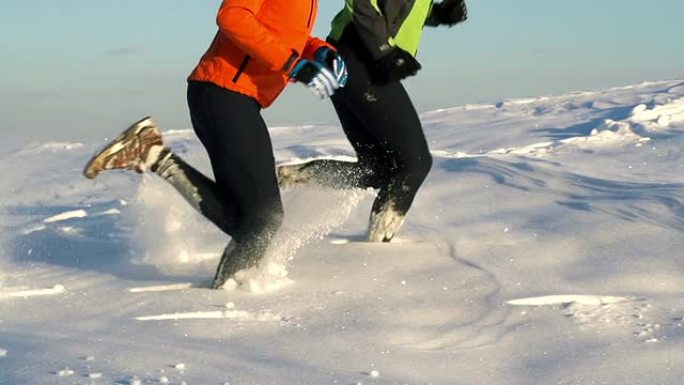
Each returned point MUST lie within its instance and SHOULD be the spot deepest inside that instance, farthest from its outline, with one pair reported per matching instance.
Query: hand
(317, 78)
(332, 60)
(449, 12)
(396, 65)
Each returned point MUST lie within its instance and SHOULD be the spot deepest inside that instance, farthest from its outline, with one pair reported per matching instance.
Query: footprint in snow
(596, 312)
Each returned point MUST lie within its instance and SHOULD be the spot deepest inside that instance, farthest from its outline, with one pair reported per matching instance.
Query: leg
(236, 138)
(140, 148)
(244, 201)
(406, 147)
(333, 173)
(369, 171)
(385, 130)
(203, 194)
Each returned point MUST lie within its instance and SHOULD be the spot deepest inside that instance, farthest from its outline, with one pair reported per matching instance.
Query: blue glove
(332, 60)
(317, 78)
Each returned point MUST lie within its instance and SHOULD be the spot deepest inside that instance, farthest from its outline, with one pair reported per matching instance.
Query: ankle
(158, 158)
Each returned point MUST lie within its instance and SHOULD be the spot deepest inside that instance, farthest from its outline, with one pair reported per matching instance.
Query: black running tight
(243, 200)
(383, 127)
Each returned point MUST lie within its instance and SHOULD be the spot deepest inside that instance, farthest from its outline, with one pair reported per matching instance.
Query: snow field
(545, 247)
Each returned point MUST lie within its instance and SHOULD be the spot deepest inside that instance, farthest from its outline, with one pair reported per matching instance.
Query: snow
(66, 215)
(21, 292)
(65, 372)
(176, 286)
(240, 315)
(544, 248)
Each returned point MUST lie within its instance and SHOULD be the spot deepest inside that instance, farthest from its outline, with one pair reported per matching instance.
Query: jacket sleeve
(372, 27)
(237, 21)
(313, 44)
(433, 18)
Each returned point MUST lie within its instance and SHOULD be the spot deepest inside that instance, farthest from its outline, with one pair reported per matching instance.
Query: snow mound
(657, 119)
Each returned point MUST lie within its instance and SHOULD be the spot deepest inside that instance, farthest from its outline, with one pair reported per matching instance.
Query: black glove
(396, 65)
(449, 12)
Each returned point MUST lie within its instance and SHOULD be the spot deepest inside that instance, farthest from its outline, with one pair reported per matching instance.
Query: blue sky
(78, 69)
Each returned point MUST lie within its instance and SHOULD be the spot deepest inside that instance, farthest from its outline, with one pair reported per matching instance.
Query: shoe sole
(97, 162)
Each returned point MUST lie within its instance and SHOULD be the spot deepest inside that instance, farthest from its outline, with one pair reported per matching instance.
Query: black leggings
(383, 127)
(244, 200)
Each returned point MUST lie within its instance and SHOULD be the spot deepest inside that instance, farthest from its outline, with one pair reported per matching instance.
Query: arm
(237, 21)
(390, 63)
(372, 27)
(312, 45)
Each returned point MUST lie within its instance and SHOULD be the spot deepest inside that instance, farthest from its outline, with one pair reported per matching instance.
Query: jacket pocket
(241, 69)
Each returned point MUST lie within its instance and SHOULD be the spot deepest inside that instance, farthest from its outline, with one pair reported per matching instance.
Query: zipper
(308, 23)
(243, 65)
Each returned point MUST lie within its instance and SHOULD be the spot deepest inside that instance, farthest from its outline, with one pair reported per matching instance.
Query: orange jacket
(257, 43)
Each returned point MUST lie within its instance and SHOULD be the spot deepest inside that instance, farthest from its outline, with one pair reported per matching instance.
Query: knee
(419, 166)
(425, 163)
